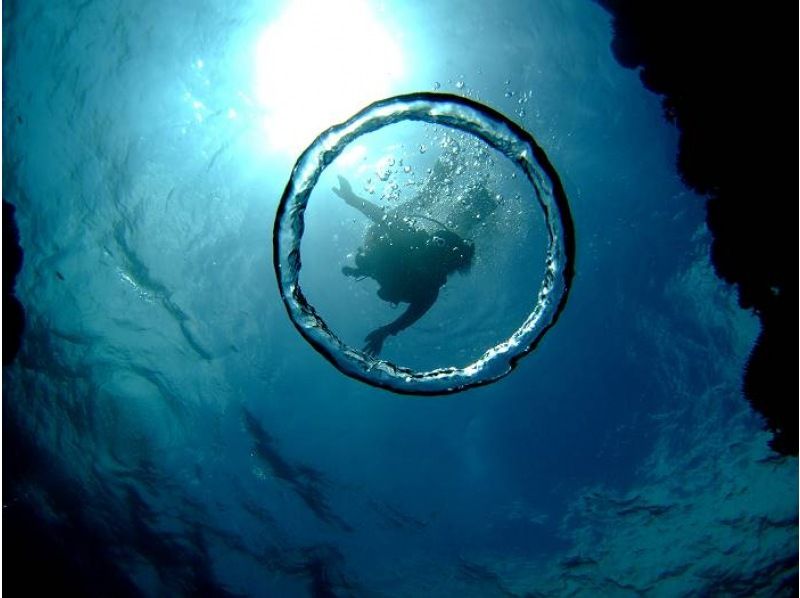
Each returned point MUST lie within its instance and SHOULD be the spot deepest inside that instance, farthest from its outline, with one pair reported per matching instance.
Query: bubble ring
(500, 133)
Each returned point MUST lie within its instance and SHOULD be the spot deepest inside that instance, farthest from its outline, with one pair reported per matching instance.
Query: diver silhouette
(409, 263)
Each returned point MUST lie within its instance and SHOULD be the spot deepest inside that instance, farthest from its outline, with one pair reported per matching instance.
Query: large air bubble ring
(500, 133)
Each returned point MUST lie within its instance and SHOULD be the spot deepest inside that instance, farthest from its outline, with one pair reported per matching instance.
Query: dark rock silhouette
(728, 76)
(13, 312)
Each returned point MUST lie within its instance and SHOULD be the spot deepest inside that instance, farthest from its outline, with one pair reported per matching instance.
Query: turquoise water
(197, 444)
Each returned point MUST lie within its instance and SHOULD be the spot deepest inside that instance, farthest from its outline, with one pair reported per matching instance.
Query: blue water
(201, 439)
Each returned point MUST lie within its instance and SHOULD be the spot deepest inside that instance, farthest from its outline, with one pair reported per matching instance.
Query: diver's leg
(414, 312)
(416, 309)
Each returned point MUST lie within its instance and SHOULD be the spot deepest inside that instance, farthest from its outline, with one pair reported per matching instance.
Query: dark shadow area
(61, 537)
(728, 74)
(394, 518)
(322, 566)
(13, 312)
(306, 482)
(484, 579)
(48, 555)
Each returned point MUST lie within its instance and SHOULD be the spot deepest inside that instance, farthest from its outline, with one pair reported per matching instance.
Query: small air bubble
(459, 84)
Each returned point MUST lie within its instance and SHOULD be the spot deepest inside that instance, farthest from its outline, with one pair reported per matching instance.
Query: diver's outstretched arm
(369, 209)
(413, 312)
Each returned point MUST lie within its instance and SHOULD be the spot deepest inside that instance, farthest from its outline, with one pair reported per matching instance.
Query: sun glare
(317, 64)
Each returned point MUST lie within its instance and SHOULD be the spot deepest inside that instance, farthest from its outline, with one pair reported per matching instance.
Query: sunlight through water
(319, 62)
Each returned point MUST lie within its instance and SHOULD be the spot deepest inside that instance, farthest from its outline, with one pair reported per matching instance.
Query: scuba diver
(409, 264)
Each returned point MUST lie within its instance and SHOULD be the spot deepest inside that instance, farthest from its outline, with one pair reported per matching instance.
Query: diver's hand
(375, 341)
(345, 191)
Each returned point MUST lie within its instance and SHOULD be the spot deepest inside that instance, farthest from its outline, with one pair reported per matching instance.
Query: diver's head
(456, 253)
